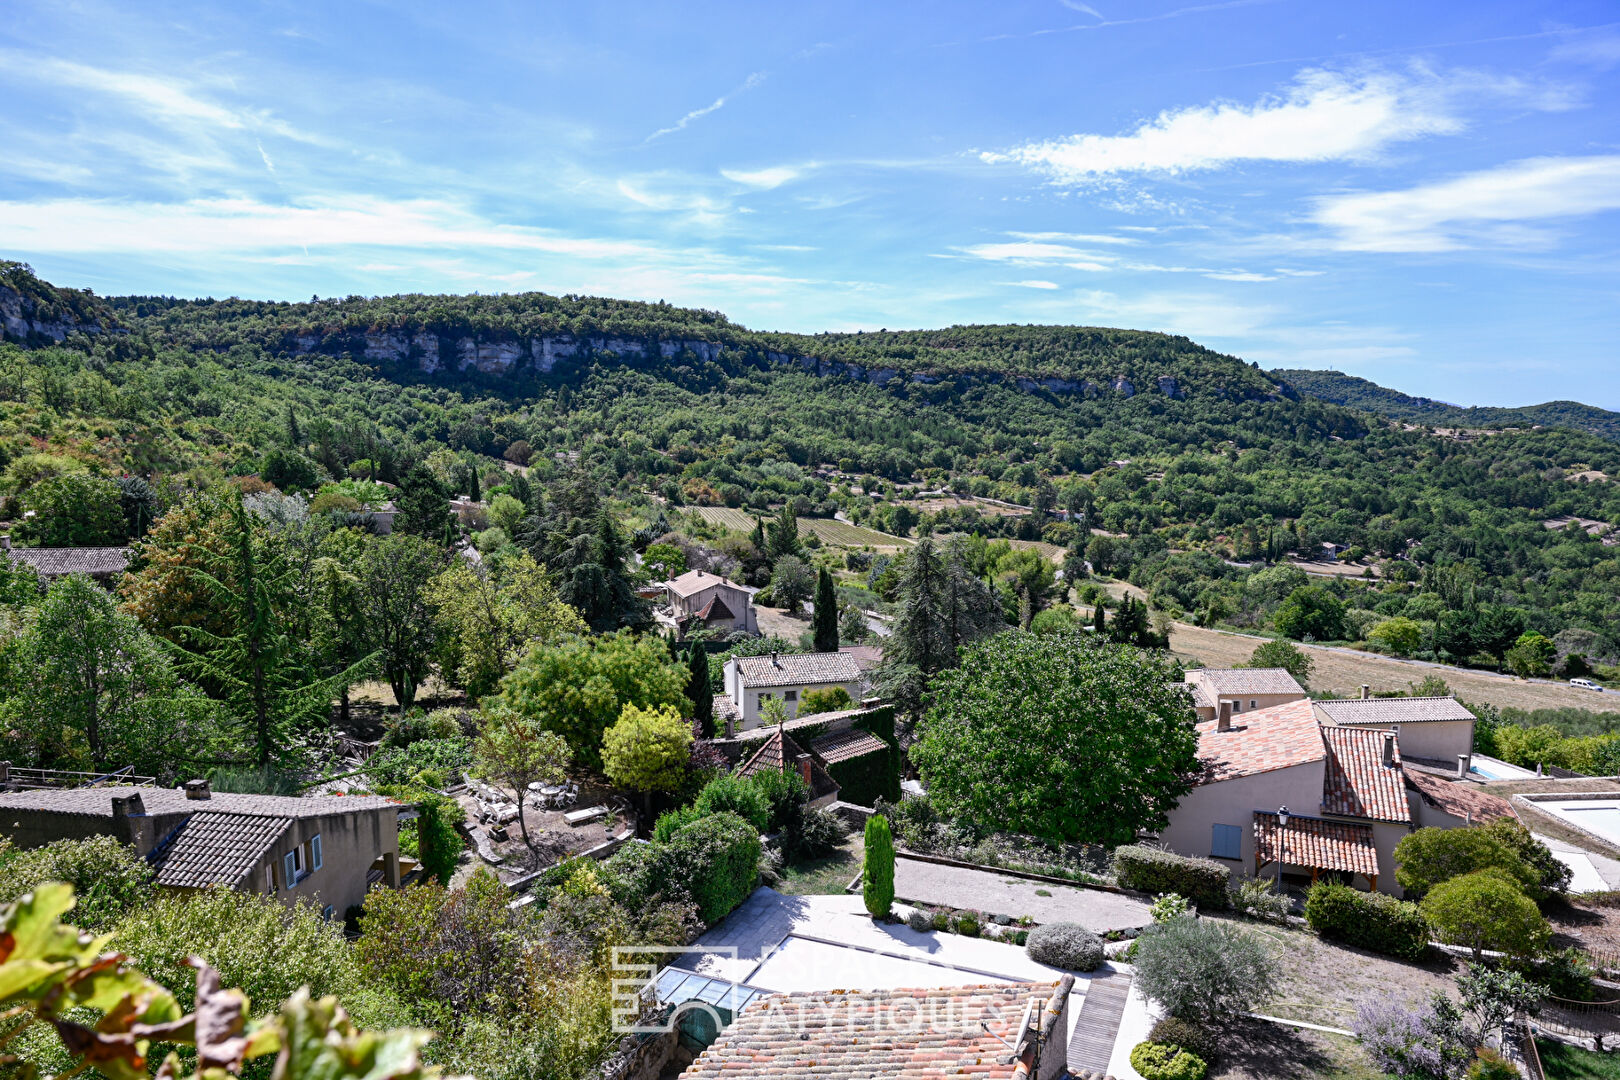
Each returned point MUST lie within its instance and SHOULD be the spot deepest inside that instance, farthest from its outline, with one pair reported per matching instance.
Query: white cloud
(1078, 238)
(1598, 50)
(1032, 284)
(1030, 251)
(1197, 315)
(765, 179)
(719, 103)
(1238, 275)
(1084, 9)
(1322, 116)
(1486, 208)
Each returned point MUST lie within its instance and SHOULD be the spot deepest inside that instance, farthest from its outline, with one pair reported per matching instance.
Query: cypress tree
(825, 624)
(698, 691)
(877, 876)
(1099, 617)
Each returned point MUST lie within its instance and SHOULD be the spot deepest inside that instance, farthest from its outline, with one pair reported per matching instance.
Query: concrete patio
(1098, 910)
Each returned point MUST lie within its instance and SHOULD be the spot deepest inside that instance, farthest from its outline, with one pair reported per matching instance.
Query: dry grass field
(828, 531)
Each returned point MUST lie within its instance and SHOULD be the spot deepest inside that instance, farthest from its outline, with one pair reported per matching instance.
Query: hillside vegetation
(1194, 461)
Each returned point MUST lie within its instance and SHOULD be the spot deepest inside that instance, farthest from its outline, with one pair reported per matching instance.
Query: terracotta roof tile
(1232, 681)
(780, 752)
(1398, 710)
(844, 745)
(1459, 798)
(695, 581)
(904, 1034)
(213, 848)
(1260, 741)
(1356, 781)
(798, 669)
(1314, 842)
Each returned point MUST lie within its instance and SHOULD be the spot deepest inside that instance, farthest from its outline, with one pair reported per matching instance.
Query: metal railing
(16, 778)
(1532, 1054)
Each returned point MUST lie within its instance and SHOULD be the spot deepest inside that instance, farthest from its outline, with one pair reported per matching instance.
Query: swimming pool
(1489, 768)
(1598, 816)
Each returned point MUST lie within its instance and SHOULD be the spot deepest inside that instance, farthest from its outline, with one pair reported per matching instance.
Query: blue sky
(1425, 194)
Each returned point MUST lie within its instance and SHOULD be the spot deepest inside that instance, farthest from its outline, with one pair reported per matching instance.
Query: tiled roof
(1200, 696)
(798, 669)
(56, 561)
(1311, 841)
(695, 581)
(780, 750)
(866, 657)
(1261, 741)
(1232, 681)
(1356, 781)
(843, 745)
(715, 609)
(173, 801)
(901, 1034)
(215, 848)
(1394, 710)
(1459, 798)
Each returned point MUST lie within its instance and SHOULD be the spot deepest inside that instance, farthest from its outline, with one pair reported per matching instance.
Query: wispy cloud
(716, 105)
(1322, 116)
(1077, 238)
(1084, 9)
(765, 179)
(1487, 208)
(1163, 16)
(1032, 284)
(1600, 50)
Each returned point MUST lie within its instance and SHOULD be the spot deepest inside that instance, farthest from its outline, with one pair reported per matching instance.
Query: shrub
(1203, 881)
(1398, 1041)
(1566, 973)
(1486, 910)
(431, 762)
(967, 924)
(673, 821)
(109, 879)
(1189, 1036)
(1259, 900)
(1489, 1065)
(1203, 970)
(1156, 1061)
(1169, 906)
(737, 795)
(920, 920)
(717, 860)
(877, 876)
(1065, 945)
(942, 920)
(1429, 856)
(438, 724)
(1367, 920)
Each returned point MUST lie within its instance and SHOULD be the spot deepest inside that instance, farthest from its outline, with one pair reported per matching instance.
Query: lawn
(1564, 1062)
(826, 875)
(1256, 1050)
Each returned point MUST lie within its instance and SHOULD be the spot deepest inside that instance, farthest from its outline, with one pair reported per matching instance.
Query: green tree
(289, 470)
(825, 622)
(851, 625)
(1487, 910)
(664, 562)
(1286, 655)
(1400, 635)
(1206, 971)
(1427, 857)
(424, 508)
(942, 608)
(75, 510)
(577, 687)
(829, 700)
(1311, 611)
(648, 749)
(782, 536)
(507, 513)
(1498, 997)
(592, 578)
(108, 878)
(395, 574)
(488, 614)
(1531, 656)
(514, 751)
(791, 582)
(96, 690)
(1059, 736)
(877, 871)
(699, 691)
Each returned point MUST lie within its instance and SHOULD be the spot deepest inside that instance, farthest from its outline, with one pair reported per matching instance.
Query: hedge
(880, 722)
(717, 860)
(1156, 1061)
(1203, 881)
(1371, 921)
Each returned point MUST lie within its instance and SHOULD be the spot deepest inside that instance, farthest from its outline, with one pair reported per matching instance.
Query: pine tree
(699, 691)
(1099, 617)
(295, 436)
(825, 624)
(783, 536)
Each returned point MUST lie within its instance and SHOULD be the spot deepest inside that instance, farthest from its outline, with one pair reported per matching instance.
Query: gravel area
(1002, 894)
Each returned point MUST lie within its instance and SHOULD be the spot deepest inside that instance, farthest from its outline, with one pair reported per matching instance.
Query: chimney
(773, 659)
(1224, 723)
(1538, 770)
(132, 825)
(198, 789)
(1366, 691)
(804, 769)
(5, 542)
(1389, 749)
(1462, 766)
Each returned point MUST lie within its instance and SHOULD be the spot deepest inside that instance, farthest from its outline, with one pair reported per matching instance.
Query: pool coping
(1532, 798)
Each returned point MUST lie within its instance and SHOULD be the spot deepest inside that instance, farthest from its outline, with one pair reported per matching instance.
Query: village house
(329, 850)
(1437, 731)
(1246, 688)
(781, 754)
(101, 563)
(750, 680)
(699, 600)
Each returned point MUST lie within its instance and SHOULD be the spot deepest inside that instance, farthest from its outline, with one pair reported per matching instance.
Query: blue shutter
(315, 852)
(1226, 842)
(289, 864)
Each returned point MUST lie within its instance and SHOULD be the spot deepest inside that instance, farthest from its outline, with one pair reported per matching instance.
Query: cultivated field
(828, 531)
(1049, 551)
(934, 506)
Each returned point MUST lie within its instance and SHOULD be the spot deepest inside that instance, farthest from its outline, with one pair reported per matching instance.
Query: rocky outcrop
(1122, 385)
(23, 319)
(1169, 387)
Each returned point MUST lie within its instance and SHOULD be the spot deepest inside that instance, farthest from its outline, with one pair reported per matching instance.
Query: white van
(1586, 684)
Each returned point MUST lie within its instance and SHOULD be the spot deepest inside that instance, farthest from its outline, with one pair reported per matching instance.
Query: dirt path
(1344, 670)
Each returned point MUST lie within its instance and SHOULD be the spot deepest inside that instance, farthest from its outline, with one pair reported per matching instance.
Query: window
(327, 912)
(790, 695)
(315, 853)
(289, 868)
(1252, 703)
(1227, 842)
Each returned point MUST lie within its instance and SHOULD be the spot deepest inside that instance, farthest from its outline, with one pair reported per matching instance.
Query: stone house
(329, 850)
(1246, 688)
(101, 563)
(749, 680)
(1344, 789)
(1437, 731)
(780, 753)
(699, 600)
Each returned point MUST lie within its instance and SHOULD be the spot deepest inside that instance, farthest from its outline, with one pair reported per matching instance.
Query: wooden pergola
(1317, 844)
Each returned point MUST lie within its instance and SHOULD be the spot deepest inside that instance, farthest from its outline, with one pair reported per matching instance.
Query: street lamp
(1282, 842)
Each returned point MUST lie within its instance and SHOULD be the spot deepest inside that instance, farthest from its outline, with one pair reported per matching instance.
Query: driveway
(1097, 910)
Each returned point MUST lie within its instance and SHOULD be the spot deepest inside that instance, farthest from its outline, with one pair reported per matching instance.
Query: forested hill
(1358, 393)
